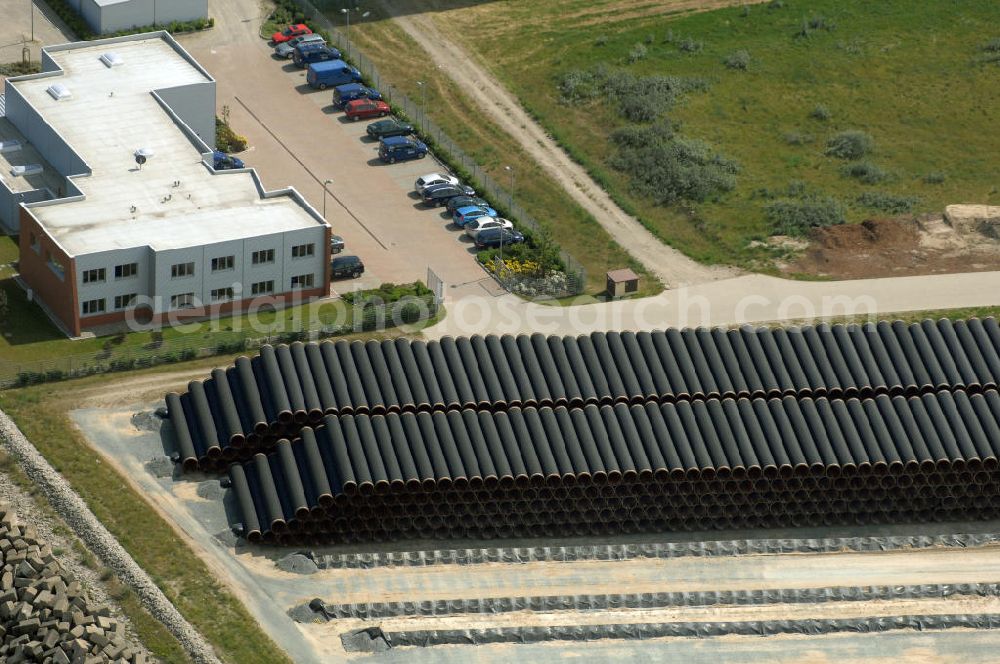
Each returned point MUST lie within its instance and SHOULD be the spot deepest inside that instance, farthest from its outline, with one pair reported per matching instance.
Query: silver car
(482, 223)
(287, 49)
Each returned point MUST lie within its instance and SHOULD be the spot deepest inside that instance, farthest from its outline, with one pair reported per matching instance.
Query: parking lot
(298, 139)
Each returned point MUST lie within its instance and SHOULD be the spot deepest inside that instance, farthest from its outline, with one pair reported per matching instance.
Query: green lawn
(459, 114)
(905, 72)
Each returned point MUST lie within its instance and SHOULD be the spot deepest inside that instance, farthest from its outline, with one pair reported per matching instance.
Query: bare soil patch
(894, 248)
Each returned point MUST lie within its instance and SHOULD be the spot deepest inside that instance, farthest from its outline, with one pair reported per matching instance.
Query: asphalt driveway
(298, 139)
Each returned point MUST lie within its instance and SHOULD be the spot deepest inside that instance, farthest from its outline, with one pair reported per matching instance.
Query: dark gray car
(343, 267)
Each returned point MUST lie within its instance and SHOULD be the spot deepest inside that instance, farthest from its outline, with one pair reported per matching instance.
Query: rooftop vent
(10, 145)
(59, 91)
(112, 59)
(27, 169)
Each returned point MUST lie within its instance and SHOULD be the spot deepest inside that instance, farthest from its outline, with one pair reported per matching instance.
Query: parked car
(327, 74)
(307, 54)
(222, 161)
(480, 224)
(342, 267)
(290, 32)
(432, 179)
(389, 127)
(400, 148)
(464, 215)
(336, 244)
(440, 194)
(287, 49)
(351, 91)
(492, 238)
(466, 201)
(366, 108)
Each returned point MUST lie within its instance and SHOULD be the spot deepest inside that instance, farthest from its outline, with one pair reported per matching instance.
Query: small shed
(622, 282)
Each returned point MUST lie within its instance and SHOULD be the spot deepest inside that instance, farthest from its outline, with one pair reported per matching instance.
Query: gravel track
(72, 509)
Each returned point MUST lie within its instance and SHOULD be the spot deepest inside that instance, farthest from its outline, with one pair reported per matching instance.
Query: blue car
(223, 162)
(310, 53)
(351, 91)
(400, 148)
(464, 215)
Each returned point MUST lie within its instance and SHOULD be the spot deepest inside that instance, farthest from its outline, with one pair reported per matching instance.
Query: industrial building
(105, 16)
(103, 236)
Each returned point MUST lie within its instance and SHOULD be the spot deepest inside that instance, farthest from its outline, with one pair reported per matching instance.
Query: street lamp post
(326, 184)
(510, 169)
(423, 101)
(347, 14)
(31, 3)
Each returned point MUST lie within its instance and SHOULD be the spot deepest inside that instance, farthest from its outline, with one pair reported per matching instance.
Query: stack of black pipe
(712, 464)
(248, 408)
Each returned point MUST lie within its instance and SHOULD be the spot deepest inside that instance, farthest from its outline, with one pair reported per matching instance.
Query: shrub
(814, 23)
(852, 144)
(667, 168)
(775, 4)
(638, 98)
(637, 53)
(387, 293)
(866, 172)
(20, 68)
(795, 138)
(689, 45)
(821, 113)
(934, 178)
(992, 46)
(886, 202)
(739, 60)
(228, 140)
(798, 217)
(601, 40)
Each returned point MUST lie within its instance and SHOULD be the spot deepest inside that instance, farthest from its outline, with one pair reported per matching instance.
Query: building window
(127, 270)
(55, 265)
(302, 281)
(182, 301)
(93, 307)
(262, 288)
(263, 256)
(34, 243)
(303, 250)
(181, 270)
(93, 276)
(222, 294)
(125, 301)
(222, 263)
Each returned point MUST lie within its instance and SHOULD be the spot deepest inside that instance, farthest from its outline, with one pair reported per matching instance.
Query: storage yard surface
(137, 447)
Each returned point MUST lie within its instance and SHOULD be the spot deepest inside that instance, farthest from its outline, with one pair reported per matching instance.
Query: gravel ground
(71, 508)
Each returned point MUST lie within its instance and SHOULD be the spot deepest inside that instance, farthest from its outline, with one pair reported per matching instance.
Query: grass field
(456, 111)
(911, 75)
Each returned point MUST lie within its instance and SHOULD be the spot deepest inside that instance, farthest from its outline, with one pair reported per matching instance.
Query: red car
(366, 108)
(290, 32)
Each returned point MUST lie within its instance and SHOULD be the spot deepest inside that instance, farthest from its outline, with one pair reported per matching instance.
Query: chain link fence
(454, 157)
(365, 318)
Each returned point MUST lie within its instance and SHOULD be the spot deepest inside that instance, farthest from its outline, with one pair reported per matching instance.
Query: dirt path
(671, 266)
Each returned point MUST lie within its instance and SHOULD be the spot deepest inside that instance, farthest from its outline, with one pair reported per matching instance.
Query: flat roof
(24, 156)
(173, 201)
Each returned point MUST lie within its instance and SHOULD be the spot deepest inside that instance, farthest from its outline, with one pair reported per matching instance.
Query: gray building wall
(110, 287)
(10, 203)
(45, 139)
(194, 105)
(128, 14)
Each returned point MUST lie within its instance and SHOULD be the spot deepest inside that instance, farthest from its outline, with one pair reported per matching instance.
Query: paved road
(297, 139)
(747, 299)
(16, 30)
